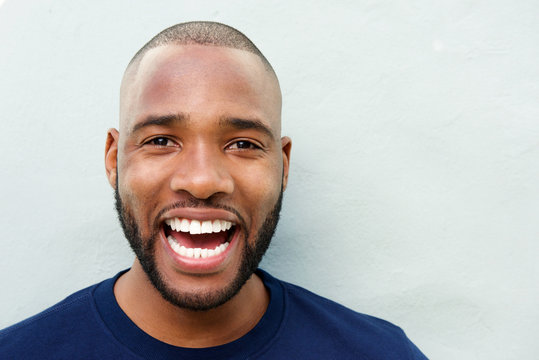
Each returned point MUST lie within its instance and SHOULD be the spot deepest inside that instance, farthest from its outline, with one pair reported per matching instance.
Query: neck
(145, 306)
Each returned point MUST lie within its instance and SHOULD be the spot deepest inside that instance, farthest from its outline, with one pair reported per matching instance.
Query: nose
(201, 172)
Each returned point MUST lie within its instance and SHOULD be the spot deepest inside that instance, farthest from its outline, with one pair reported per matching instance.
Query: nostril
(202, 185)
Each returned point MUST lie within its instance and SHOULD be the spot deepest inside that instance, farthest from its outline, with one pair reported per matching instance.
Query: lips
(197, 239)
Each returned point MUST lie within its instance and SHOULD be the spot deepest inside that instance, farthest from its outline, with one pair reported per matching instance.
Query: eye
(243, 145)
(161, 141)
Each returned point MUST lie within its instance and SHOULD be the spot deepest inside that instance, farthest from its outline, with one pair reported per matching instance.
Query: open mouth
(198, 239)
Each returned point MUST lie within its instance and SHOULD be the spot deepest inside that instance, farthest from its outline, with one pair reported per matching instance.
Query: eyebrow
(236, 123)
(162, 120)
(242, 124)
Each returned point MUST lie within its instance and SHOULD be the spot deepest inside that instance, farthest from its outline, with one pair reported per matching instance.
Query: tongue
(203, 241)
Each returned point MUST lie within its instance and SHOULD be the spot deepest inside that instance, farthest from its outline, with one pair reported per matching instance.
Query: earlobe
(286, 146)
(111, 156)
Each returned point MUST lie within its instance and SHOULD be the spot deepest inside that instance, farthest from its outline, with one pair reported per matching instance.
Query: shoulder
(68, 327)
(305, 302)
(67, 307)
(302, 302)
(330, 326)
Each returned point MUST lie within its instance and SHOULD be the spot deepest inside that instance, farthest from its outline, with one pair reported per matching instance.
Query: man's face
(200, 169)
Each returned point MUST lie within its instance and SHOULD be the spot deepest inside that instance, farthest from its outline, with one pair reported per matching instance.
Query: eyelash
(251, 145)
(152, 141)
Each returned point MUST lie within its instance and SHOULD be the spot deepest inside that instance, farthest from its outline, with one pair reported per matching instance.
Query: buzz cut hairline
(207, 33)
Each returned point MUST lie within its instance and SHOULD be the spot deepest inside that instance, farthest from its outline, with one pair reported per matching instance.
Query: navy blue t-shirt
(297, 325)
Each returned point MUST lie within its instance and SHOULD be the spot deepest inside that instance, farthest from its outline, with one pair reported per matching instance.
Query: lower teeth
(195, 253)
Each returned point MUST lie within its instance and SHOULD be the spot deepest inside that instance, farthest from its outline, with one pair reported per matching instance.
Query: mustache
(201, 204)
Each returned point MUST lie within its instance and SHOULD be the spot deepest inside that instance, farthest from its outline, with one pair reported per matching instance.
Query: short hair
(203, 33)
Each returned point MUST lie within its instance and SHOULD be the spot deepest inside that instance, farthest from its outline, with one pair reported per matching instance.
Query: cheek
(139, 189)
(259, 191)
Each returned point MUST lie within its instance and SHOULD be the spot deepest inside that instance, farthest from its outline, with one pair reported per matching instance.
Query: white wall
(415, 162)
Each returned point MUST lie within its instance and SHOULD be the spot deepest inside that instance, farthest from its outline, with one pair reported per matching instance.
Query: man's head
(198, 149)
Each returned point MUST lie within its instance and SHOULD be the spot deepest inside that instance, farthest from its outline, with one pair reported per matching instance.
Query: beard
(144, 249)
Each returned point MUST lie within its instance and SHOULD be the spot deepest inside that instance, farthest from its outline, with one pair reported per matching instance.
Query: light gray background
(414, 176)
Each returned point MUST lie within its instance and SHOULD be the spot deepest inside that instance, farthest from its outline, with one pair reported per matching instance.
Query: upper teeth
(198, 227)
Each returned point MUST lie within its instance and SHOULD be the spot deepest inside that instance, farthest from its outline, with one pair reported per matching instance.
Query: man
(199, 167)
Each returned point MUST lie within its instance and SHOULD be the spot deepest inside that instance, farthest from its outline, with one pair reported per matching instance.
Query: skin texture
(202, 160)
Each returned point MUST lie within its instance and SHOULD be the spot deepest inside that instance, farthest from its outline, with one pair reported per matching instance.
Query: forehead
(200, 81)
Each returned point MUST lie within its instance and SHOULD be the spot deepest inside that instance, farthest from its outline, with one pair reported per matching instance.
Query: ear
(286, 146)
(111, 156)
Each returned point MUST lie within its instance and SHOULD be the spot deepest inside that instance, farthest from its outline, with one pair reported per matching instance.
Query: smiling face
(198, 167)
